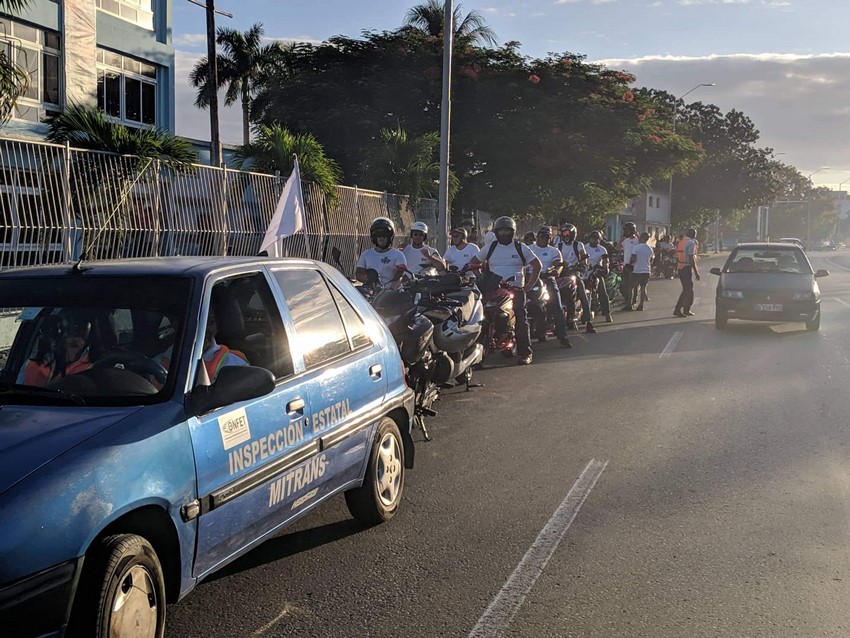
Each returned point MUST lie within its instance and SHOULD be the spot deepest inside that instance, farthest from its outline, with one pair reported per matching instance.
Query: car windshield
(90, 340)
(769, 260)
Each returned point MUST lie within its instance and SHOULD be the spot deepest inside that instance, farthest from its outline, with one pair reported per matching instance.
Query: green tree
(242, 66)
(14, 81)
(274, 149)
(405, 164)
(429, 16)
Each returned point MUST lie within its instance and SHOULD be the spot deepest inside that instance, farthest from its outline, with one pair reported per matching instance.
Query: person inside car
(62, 353)
(216, 356)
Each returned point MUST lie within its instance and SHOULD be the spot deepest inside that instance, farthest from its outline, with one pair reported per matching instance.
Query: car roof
(153, 266)
(763, 244)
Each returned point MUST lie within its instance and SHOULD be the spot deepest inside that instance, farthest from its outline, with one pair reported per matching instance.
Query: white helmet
(422, 227)
(450, 336)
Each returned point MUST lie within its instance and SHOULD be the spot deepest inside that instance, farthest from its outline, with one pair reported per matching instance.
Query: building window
(126, 88)
(38, 52)
(139, 12)
(650, 201)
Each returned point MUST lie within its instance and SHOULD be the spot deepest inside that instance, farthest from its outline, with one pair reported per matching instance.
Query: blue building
(113, 53)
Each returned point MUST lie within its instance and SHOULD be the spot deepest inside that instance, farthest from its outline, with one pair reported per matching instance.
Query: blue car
(161, 417)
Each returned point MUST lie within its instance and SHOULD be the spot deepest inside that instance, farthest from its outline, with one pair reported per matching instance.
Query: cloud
(190, 40)
(587, 1)
(800, 103)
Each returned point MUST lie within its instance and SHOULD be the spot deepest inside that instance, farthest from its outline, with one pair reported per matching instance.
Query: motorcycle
(614, 280)
(567, 283)
(537, 306)
(594, 277)
(666, 267)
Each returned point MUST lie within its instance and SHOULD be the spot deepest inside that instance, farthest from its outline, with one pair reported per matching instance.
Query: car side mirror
(233, 384)
(715, 271)
(821, 273)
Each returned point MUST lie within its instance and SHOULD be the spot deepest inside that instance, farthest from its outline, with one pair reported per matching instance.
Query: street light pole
(809, 208)
(675, 112)
(443, 215)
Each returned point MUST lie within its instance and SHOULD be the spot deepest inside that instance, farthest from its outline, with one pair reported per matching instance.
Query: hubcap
(134, 609)
(389, 470)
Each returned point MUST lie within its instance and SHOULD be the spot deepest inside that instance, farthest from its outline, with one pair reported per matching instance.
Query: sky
(785, 63)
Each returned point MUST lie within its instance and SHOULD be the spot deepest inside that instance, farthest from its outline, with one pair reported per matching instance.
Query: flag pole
(303, 210)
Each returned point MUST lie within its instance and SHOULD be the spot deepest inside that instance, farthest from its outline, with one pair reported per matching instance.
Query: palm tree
(84, 126)
(274, 149)
(428, 17)
(242, 66)
(14, 81)
(406, 165)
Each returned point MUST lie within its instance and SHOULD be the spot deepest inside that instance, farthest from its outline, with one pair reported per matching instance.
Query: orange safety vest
(40, 374)
(681, 259)
(217, 362)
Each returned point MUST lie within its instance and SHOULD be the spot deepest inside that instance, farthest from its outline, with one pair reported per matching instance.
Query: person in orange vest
(216, 356)
(62, 357)
(686, 263)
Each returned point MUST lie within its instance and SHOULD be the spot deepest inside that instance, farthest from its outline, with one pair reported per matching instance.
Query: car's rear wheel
(377, 500)
(720, 322)
(123, 591)
(814, 324)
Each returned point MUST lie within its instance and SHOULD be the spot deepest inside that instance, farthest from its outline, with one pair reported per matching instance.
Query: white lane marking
(287, 609)
(842, 302)
(836, 265)
(671, 345)
(507, 602)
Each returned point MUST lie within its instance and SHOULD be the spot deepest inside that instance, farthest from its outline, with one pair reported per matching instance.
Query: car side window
(319, 330)
(247, 321)
(353, 323)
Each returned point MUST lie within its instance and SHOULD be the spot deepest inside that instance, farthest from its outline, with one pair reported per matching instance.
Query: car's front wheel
(814, 324)
(123, 591)
(377, 500)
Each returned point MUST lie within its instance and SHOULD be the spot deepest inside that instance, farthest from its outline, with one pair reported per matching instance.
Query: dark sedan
(768, 282)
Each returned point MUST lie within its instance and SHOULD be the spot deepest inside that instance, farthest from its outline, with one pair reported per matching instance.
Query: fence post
(224, 208)
(157, 209)
(68, 221)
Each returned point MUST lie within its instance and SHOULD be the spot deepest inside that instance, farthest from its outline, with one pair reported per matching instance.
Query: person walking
(686, 264)
(641, 261)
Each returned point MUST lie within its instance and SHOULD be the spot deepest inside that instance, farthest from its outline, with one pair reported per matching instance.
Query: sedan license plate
(769, 307)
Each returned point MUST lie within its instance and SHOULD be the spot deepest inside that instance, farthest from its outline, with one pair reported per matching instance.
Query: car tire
(814, 324)
(122, 585)
(377, 500)
(720, 322)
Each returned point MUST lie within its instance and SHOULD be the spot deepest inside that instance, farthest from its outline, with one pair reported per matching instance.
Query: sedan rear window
(764, 260)
(93, 340)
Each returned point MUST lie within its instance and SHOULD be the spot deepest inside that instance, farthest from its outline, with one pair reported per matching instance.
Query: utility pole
(212, 78)
(443, 214)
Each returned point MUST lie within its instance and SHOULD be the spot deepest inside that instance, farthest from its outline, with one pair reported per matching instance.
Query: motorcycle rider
(627, 244)
(418, 254)
(507, 258)
(383, 258)
(598, 260)
(575, 257)
(551, 262)
(529, 238)
(460, 253)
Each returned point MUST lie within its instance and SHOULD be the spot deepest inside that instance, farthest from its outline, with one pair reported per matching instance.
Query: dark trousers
(581, 291)
(602, 293)
(639, 282)
(521, 328)
(556, 307)
(629, 288)
(686, 299)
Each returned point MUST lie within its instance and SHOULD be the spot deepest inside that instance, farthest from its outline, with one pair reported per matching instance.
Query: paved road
(723, 509)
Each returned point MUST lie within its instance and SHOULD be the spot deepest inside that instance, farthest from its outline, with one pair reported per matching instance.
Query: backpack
(517, 245)
(575, 248)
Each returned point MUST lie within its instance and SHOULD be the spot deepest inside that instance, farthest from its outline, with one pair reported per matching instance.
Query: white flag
(288, 217)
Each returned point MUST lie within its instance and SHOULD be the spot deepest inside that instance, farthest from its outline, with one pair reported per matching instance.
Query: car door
(343, 366)
(244, 451)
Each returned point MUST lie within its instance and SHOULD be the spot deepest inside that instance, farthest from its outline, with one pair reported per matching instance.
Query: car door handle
(375, 371)
(296, 405)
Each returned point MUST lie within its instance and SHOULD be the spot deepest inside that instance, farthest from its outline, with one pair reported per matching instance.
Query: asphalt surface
(723, 509)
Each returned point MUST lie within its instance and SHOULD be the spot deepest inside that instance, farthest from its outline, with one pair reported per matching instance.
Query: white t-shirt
(460, 257)
(644, 253)
(595, 254)
(506, 262)
(548, 255)
(385, 263)
(568, 251)
(416, 261)
(629, 244)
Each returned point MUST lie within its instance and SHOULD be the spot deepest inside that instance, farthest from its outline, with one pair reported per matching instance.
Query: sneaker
(590, 329)
(566, 343)
(688, 313)
(609, 319)
(678, 313)
(524, 361)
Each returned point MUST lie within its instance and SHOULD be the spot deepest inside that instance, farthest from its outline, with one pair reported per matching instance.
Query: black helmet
(629, 228)
(545, 230)
(571, 231)
(382, 226)
(595, 234)
(504, 222)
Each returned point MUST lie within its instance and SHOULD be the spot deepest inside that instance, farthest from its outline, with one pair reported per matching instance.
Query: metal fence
(57, 202)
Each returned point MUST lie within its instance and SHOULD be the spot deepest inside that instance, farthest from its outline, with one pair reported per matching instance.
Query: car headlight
(803, 296)
(732, 294)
